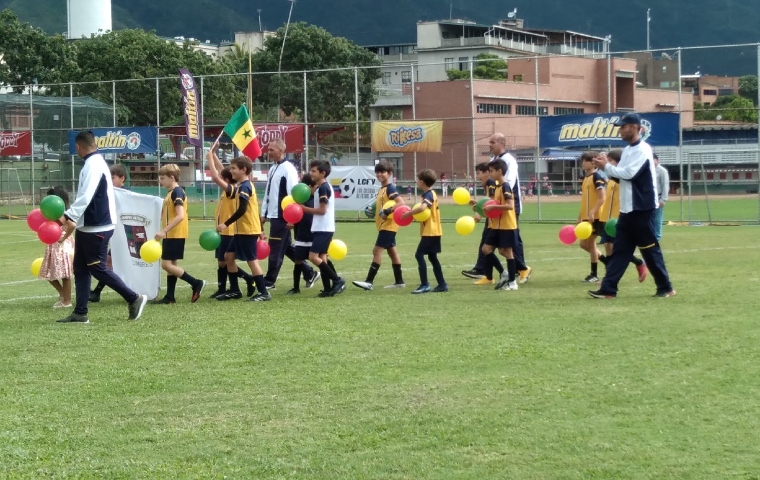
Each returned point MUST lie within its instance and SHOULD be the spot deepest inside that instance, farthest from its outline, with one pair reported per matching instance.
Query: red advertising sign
(292, 134)
(15, 143)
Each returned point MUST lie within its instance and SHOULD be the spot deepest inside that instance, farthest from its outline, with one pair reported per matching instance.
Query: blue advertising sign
(121, 139)
(597, 130)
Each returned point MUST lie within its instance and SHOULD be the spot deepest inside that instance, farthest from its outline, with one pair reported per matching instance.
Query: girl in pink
(56, 264)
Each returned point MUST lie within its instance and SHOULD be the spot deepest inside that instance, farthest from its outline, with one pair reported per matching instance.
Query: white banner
(354, 187)
(138, 220)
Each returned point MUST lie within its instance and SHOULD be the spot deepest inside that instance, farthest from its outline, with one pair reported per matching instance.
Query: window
(530, 110)
(406, 76)
(748, 175)
(567, 111)
(517, 78)
(494, 108)
(449, 63)
(386, 78)
(709, 92)
(464, 63)
(726, 91)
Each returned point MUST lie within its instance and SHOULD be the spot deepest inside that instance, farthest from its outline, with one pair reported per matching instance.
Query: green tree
(330, 93)
(732, 108)
(487, 67)
(748, 87)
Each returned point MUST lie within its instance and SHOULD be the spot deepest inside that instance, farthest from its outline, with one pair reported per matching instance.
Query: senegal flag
(243, 135)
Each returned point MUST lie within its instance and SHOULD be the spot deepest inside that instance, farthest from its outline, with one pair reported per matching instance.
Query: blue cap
(628, 119)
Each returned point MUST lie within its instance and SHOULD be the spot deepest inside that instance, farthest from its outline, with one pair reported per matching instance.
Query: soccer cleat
(598, 294)
(293, 291)
(474, 274)
(396, 285)
(421, 289)
(271, 286)
(441, 288)
(197, 289)
(525, 274)
(323, 294)
(229, 296)
(511, 285)
(484, 281)
(217, 293)
(163, 301)
(503, 280)
(591, 278)
(260, 298)
(338, 287)
(671, 293)
(250, 289)
(136, 307)
(74, 318)
(363, 285)
(313, 280)
(642, 269)
(94, 297)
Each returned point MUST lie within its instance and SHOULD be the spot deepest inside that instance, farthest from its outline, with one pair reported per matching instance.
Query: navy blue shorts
(385, 239)
(301, 253)
(598, 227)
(501, 238)
(223, 247)
(429, 245)
(244, 247)
(321, 242)
(173, 249)
(605, 238)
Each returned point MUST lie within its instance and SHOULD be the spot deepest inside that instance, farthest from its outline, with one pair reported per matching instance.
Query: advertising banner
(191, 106)
(15, 143)
(354, 187)
(407, 136)
(121, 139)
(292, 134)
(660, 129)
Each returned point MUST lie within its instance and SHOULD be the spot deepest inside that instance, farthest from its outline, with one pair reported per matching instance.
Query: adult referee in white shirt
(638, 200)
(280, 181)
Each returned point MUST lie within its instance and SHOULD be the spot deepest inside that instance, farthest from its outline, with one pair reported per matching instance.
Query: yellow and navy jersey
(490, 187)
(385, 194)
(432, 226)
(592, 183)
(175, 198)
(250, 222)
(611, 205)
(225, 208)
(507, 220)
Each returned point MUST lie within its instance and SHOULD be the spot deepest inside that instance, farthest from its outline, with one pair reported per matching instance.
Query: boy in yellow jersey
(430, 234)
(502, 234)
(592, 199)
(174, 232)
(483, 270)
(245, 224)
(611, 209)
(224, 210)
(386, 228)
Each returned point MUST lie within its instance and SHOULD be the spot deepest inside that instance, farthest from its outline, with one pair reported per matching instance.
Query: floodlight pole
(649, 19)
(282, 50)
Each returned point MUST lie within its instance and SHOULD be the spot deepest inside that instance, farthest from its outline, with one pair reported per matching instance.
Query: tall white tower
(87, 17)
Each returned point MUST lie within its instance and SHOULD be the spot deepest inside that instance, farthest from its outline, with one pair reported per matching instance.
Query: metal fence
(713, 169)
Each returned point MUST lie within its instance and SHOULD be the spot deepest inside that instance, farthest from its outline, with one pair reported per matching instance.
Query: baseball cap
(629, 118)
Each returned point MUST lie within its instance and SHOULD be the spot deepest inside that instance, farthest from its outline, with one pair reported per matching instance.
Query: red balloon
(35, 219)
(492, 213)
(567, 234)
(397, 212)
(262, 249)
(293, 213)
(49, 232)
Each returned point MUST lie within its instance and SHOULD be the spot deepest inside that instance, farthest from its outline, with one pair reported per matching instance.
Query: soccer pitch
(474, 383)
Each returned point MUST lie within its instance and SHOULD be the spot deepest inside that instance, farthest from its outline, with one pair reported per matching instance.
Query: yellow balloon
(389, 204)
(150, 251)
(287, 201)
(337, 249)
(461, 196)
(423, 215)
(465, 225)
(583, 230)
(36, 265)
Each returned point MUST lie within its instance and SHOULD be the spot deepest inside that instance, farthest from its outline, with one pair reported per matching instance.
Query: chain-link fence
(710, 152)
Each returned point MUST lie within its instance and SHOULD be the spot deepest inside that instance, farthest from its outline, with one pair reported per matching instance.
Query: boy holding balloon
(482, 272)
(386, 202)
(502, 224)
(174, 230)
(592, 198)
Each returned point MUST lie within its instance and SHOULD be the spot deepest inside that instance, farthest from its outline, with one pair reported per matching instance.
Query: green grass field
(540, 383)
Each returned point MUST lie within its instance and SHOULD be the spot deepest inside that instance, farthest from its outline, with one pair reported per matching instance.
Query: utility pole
(260, 29)
(282, 50)
(649, 19)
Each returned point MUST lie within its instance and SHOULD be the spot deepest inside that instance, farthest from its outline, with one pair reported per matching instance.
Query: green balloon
(52, 207)
(301, 193)
(479, 206)
(610, 227)
(210, 240)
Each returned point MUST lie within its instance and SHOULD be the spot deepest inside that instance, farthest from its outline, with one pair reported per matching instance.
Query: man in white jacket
(93, 215)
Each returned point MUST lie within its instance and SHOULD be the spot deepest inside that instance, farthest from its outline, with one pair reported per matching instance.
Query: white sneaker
(503, 280)
(363, 285)
(396, 285)
(511, 285)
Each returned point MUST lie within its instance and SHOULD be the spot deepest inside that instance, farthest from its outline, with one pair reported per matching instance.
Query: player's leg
(622, 250)
(258, 275)
(398, 277)
(652, 253)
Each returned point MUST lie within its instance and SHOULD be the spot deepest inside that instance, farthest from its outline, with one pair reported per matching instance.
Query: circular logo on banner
(347, 188)
(647, 129)
(187, 81)
(133, 141)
